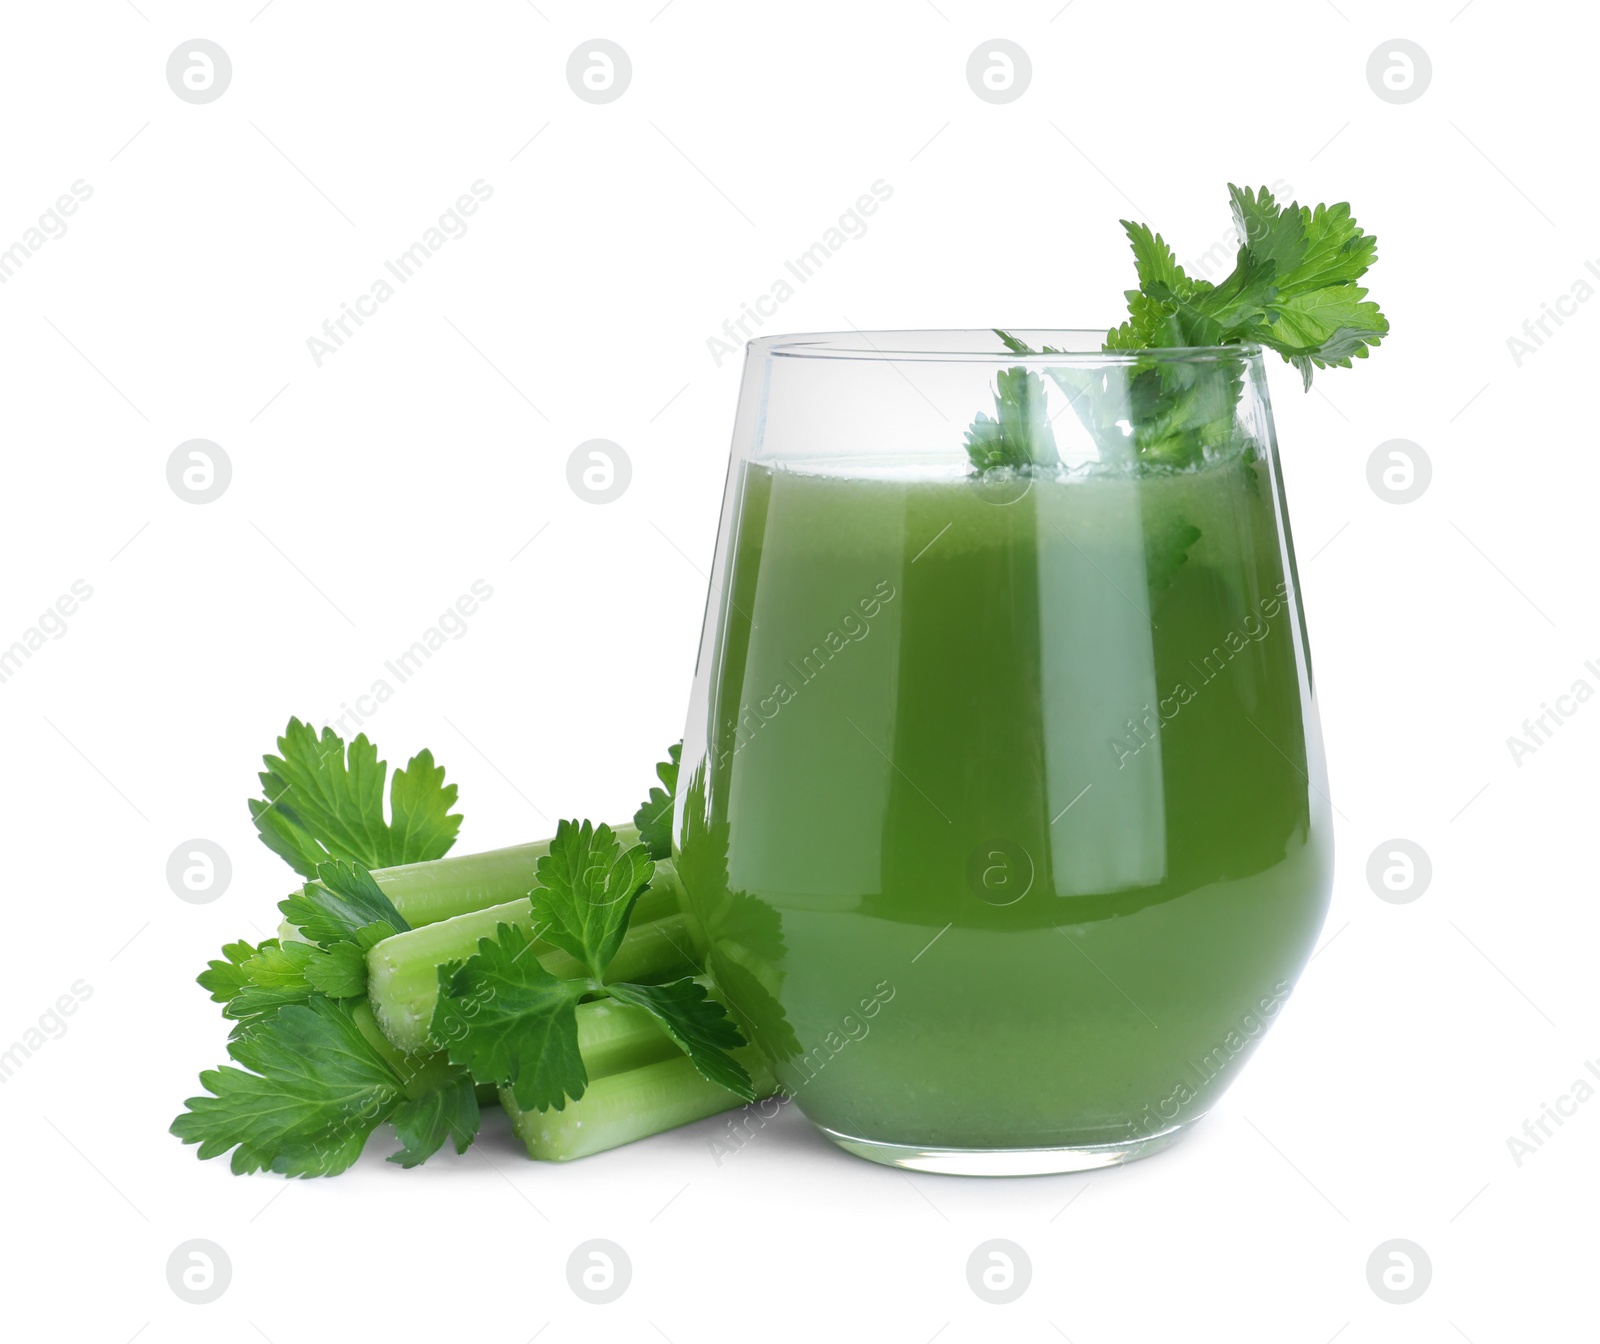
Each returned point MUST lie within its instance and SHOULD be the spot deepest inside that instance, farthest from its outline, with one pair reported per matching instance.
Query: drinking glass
(1002, 813)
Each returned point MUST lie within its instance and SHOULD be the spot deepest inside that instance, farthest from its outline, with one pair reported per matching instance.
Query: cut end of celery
(403, 971)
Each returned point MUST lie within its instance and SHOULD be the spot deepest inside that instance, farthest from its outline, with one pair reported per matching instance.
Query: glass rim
(961, 345)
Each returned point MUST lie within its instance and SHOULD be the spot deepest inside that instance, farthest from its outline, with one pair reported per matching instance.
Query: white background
(431, 450)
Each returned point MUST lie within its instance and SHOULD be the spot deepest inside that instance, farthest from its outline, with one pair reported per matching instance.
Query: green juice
(1029, 777)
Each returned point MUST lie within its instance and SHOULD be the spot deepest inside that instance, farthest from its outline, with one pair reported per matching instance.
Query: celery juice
(1030, 774)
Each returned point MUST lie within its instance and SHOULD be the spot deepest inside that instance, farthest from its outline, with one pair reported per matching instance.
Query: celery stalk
(616, 1037)
(438, 889)
(420, 1072)
(631, 1105)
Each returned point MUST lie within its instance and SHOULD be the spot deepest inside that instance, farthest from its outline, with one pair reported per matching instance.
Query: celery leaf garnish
(1019, 434)
(1292, 289)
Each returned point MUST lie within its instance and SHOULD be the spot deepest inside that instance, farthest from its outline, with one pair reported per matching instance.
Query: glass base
(1007, 1161)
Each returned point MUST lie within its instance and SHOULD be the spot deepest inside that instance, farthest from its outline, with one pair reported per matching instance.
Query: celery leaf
(1019, 433)
(324, 800)
(311, 1089)
(509, 1021)
(276, 978)
(445, 1113)
(699, 1024)
(340, 969)
(588, 888)
(306, 1089)
(342, 901)
(224, 979)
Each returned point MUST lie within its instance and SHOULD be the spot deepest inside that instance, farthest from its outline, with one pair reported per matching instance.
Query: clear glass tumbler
(1003, 804)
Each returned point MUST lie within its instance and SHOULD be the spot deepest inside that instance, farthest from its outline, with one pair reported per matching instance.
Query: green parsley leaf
(448, 1112)
(588, 891)
(509, 1021)
(654, 817)
(342, 901)
(325, 801)
(699, 1024)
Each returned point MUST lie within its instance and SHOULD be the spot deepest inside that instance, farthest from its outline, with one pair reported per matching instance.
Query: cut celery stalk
(438, 889)
(616, 1037)
(631, 1105)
